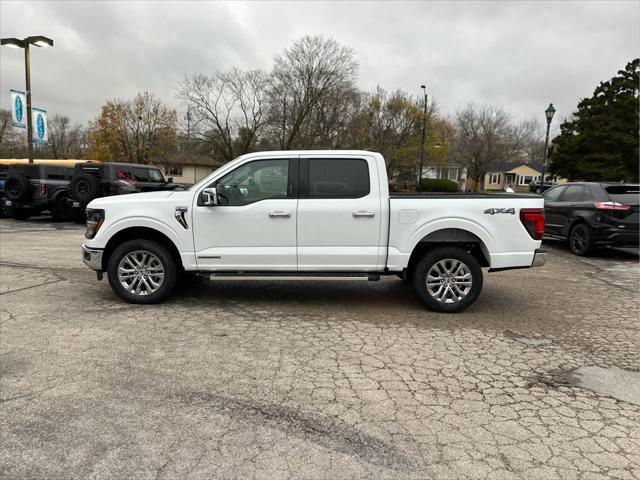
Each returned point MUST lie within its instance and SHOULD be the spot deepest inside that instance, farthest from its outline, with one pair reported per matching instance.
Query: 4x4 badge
(494, 211)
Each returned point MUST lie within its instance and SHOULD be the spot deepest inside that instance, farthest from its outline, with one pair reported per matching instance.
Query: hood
(130, 198)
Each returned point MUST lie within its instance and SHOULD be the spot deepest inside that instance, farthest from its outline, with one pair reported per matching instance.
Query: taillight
(612, 206)
(533, 221)
(43, 189)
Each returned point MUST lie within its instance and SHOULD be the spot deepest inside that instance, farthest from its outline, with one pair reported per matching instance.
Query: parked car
(592, 215)
(534, 186)
(4, 202)
(94, 180)
(311, 213)
(30, 189)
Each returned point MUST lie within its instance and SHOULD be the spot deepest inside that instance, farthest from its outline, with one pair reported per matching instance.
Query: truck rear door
(339, 214)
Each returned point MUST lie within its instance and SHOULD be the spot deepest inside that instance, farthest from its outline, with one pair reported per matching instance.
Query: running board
(372, 277)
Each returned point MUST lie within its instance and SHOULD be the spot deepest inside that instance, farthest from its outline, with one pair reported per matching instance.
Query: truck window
(55, 173)
(338, 178)
(574, 193)
(628, 194)
(254, 181)
(553, 194)
(155, 175)
(123, 173)
(141, 174)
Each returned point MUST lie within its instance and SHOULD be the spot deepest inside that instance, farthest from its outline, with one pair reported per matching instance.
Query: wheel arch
(450, 237)
(133, 233)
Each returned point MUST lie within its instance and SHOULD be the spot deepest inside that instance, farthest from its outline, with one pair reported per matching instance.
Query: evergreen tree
(600, 142)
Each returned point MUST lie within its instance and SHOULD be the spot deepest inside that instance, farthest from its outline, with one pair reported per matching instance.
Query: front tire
(580, 241)
(448, 279)
(142, 271)
(62, 210)
(21, 213)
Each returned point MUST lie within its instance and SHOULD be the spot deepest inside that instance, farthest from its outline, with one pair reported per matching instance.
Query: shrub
(439, 185)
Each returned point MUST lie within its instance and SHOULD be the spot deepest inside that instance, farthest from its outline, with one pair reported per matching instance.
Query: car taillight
(612, 206)
(533, 221)
(43, 189)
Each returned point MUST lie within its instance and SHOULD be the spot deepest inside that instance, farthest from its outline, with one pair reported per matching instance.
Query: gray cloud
(515, 54)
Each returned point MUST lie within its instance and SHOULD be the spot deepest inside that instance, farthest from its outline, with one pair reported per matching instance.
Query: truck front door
(338, 214)
(253, 227)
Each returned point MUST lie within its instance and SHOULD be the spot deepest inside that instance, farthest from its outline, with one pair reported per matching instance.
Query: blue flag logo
(18, 109)
(40, 126)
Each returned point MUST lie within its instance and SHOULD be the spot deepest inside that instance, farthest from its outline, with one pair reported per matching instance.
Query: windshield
(627, 194)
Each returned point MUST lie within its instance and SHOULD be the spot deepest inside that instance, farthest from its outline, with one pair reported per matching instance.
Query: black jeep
(32, 189)
(94, 180)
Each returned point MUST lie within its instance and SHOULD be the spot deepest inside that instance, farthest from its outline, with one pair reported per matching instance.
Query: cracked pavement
(312, 379)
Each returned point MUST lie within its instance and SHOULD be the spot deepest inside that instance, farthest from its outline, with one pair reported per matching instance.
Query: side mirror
(210, 196)
(170, 180)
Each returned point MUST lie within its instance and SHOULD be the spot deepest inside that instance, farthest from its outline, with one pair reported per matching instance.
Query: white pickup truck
(311, 213)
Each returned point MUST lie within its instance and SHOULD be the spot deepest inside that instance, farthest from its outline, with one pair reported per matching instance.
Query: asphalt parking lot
(315, 379)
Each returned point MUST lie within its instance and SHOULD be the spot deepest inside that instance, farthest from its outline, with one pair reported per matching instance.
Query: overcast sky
(514, 54)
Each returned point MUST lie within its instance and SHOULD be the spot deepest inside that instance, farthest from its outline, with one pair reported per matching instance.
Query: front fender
(107, 232)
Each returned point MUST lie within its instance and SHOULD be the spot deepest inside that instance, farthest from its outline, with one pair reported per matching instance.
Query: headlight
(95, 219)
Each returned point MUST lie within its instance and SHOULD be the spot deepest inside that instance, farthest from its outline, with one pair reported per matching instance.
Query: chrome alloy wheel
(449, 281)
(140, 272)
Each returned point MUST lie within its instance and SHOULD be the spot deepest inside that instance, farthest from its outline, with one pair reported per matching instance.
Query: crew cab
(311, 213)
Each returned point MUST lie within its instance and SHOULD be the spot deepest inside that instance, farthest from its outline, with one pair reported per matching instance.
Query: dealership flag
(18, 109)
(40, 132)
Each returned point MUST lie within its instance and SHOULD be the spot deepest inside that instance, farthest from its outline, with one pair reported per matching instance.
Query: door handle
(280, 214)
(362, 213)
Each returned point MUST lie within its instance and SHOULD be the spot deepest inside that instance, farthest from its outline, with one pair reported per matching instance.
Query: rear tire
(142, 271)
(4, 211)
(580, 241)
(448, 279)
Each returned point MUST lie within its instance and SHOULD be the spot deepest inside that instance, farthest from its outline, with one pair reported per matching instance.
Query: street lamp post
(424, 131)
(549, 114)
(38, 41)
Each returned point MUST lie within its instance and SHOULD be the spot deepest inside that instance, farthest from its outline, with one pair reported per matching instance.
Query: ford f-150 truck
(311, 213)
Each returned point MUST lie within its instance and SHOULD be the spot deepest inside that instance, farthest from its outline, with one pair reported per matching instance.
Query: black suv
(591, 215)
(94, 180)
(31, 189)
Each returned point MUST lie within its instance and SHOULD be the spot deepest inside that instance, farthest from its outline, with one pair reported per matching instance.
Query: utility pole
(27, 71)
(549, 115)
(424, 133)
(38, 41)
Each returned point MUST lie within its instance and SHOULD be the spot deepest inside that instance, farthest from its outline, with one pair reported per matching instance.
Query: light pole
(549, 114)
(424, 131)
(38, 41)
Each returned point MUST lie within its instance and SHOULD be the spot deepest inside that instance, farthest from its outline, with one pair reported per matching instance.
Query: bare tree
(64, 141)
(228, 109)
(5, 123)
(309, 72)
(13, 141)
(487, 134)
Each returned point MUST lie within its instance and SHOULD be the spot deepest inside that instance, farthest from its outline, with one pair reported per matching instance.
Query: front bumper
(539, 258)
(92, 258)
